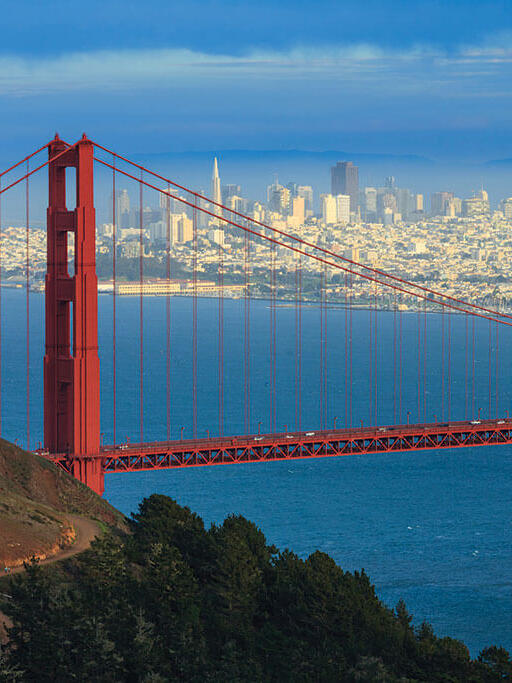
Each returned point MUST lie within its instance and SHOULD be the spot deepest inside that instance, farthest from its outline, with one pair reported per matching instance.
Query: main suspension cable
(319, 259)
(304, 243)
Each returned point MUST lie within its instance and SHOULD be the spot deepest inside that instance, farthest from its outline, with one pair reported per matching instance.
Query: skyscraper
(329, 209)
(230, 191)
(122, 209)
(216, 191)
(506, 207)
(477, 205)
(370, 204)
(306, 191)
(278, 198)
(343, 208)
(345, 180)
(439, 201)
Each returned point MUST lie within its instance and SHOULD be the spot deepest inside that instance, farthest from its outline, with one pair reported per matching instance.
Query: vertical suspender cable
(0, 308)
(346, 350)
(141, 310)
(270, 347)
(326, 330)
(272, 338)
(249, 274)
(425, 361)
(490, 365)
(194, 322)
(419, 362)
(350, 347)
(322, 375)
(274, 343)
(28, 303)
(376, 363)
(496, 402)
(299, 364)
(442, 363)
(246, 336)
(296, 347)
(244, 268)
(114, 247)
(371, 353)
(400, 367)
(473, 369)
(325, 346)
(221, 341)
(449, 365)
(323, 350)
(394, 360)
(248, 327)
(466, 369)
(168, 316)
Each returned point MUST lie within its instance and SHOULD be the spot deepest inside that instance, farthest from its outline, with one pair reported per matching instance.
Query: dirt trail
(86, 531)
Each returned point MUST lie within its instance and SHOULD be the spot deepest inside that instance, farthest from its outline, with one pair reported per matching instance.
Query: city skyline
(458, 243)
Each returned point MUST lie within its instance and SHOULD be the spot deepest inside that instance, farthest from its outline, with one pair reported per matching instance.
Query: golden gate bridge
(72, 432)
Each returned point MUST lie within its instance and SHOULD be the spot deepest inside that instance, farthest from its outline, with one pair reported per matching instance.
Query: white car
(310, 433)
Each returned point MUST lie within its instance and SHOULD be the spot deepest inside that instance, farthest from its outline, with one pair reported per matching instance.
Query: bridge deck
(136, 457)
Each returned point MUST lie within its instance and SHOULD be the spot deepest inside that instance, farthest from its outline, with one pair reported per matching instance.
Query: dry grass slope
(37, 503)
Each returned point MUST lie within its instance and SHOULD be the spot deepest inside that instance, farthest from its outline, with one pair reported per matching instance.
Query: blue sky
(423, 77)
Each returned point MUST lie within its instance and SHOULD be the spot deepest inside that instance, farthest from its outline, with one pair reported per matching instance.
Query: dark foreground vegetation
(173, 601)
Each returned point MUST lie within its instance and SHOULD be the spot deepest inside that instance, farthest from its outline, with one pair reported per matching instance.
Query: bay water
(431, 527)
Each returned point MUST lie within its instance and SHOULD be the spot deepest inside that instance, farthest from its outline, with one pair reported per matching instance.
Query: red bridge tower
(71, 363)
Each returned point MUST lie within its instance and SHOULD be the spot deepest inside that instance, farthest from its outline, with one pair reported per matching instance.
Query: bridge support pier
(71, 363)
(90, 472)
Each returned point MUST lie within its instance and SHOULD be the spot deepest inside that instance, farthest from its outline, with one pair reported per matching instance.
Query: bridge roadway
(138, 457)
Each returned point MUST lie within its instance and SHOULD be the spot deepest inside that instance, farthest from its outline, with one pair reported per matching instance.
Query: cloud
(359, 66)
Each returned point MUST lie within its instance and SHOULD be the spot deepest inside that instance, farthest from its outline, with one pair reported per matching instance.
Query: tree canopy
(173, 601)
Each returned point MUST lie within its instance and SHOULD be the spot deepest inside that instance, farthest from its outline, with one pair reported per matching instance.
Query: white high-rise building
(181, 228)
(216, 189)
(306, 191)
(343, 208)
(329, 211)
(216, 236)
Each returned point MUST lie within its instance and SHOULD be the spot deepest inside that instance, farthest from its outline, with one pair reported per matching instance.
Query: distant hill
(289, 154)
(39, 504)
(499, 162)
